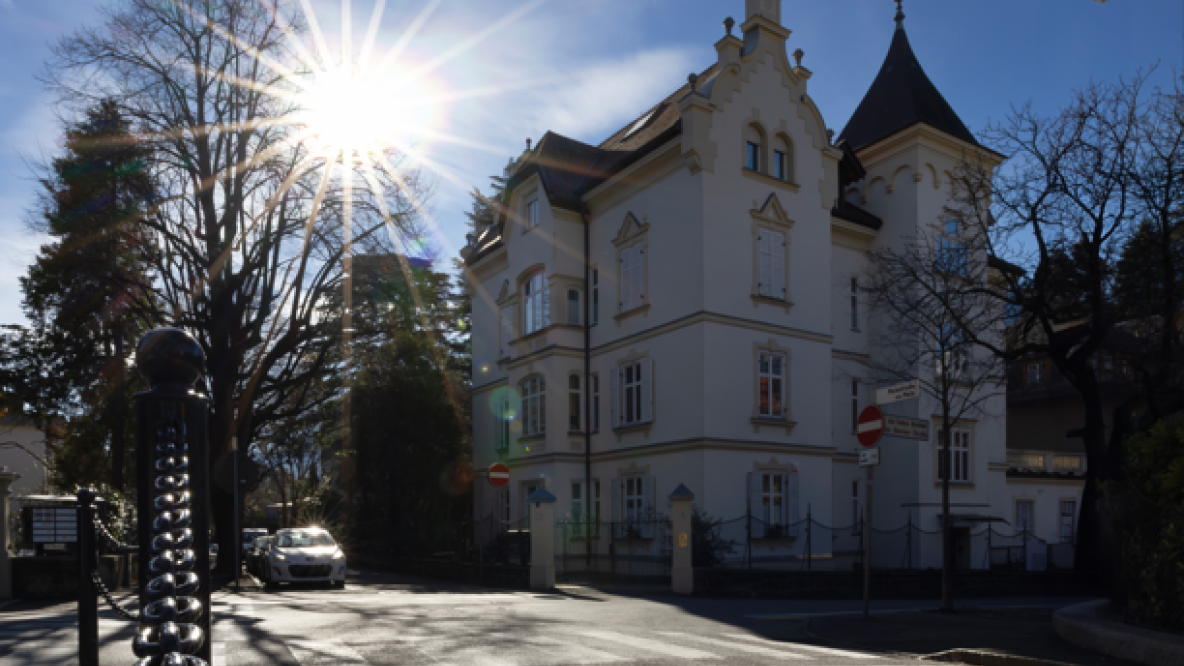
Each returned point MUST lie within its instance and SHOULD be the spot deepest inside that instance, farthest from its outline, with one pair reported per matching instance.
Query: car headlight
(280, 557)
(339, 555)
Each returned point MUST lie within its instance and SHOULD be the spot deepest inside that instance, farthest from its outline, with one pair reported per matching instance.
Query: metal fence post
(172, 469)
(88, 597)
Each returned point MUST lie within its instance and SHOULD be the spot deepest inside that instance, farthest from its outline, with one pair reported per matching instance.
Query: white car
(304, 555)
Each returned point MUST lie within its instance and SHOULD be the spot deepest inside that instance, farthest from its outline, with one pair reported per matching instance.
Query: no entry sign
(499, 475)
(869, 426)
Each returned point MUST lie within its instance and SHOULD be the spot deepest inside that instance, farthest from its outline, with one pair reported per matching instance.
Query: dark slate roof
(488, 241)
(900, 97)
(845, 210)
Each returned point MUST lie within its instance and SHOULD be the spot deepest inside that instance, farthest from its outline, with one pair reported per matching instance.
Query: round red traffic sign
(869, 426)
(499, 475)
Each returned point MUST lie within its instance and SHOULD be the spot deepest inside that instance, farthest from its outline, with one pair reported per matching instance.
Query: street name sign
(901, 426)
(499, 475)
(899, 392)
(869, 426)
(869, 457)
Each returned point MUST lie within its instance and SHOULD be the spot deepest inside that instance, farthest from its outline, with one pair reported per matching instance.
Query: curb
(1083, 625)
(984, 658)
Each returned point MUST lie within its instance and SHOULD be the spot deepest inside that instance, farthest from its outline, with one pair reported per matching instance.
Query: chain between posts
(112, 542)
(124, 612)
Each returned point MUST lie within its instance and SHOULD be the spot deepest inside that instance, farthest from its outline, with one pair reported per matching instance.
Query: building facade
(680, 305)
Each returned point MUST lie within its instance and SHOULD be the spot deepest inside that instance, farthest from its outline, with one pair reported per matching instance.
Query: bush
(708, 547)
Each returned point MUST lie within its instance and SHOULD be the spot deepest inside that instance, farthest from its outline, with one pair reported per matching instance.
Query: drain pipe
(587, 387)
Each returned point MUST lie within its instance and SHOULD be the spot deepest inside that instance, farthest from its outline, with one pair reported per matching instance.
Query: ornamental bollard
(172, 468)
(88, 597)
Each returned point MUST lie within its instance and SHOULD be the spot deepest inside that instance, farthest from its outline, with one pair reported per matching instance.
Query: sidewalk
(1021, 636)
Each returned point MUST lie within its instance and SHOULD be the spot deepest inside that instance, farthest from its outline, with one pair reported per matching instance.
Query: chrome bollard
(173, 501)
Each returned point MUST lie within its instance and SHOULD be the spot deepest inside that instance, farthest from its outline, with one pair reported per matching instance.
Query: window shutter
(792, 515)
(754, 505)
(626, 282)
(648, 517)
(765, 261)
(637, 274)
(617, 497)
(647, 389)
(546, 318)
(536, 309)
(777, 254)
(614, 405)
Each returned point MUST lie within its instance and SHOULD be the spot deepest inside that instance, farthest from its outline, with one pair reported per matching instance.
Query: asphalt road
(383, 619)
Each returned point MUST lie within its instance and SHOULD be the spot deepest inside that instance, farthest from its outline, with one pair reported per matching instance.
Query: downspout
(587, 388)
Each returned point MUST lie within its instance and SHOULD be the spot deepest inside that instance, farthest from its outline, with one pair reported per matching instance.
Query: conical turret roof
(900, 97)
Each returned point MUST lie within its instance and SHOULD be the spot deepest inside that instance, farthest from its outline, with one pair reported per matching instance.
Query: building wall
(34, 476)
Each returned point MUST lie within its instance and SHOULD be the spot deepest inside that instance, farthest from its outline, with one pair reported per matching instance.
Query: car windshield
(299, 539)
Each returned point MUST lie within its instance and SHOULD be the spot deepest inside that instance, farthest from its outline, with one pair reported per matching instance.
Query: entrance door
(961, 548)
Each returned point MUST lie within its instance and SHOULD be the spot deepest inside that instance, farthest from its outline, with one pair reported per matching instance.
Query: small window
(753, 160)
(960, 469)
(1025, 513)
(951, 252)
(634, 498)
(771, 385)
(754, 140)
(1067, 462)
(772, 508)
(1034, 460)
(574, 403)
(595, 296)
(1035, 373)
(632, 382)
(532, 213)
(534, 406)
(595, 415)
(632, 385)
(779, 165)
(854, 304)
(573, 307)
(782, 159)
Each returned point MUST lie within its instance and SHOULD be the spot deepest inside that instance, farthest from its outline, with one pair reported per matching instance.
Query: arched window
(574, 403)
(754, 146)
(536, 304)
(783, 159)
(534, 406)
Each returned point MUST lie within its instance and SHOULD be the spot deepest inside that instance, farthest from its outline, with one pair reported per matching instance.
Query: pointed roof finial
(728, 24)
(899, 15)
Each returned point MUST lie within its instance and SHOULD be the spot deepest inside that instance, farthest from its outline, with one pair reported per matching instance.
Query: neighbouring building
(680, 305)
(22, 450)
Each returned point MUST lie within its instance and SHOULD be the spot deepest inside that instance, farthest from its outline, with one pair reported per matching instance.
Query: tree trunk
(947, 551)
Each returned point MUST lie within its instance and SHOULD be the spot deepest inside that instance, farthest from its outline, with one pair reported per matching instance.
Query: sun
(349, 111)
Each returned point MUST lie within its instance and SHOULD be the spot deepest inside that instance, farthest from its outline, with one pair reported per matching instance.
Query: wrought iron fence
(605, 550)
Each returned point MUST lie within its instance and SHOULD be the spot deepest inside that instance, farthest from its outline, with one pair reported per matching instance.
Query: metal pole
(867, 541)
(88, 597)
(238, 533)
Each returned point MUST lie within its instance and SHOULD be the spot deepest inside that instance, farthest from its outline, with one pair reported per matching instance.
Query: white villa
(680, 305)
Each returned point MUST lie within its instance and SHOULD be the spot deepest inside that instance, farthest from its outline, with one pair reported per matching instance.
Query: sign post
(869, 427)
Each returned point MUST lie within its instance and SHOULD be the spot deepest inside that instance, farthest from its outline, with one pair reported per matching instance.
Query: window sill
(623, 430)
(530, 439)
(768, 180)
(759, 300)
(763, 421)
(639, 310)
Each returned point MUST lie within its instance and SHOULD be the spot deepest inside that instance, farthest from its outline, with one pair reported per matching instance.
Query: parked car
(249, 536)
(257, 556)
(305, 554)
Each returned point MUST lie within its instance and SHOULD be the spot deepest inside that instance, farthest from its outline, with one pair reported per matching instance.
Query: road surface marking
(573, 653)
(743, 647)
(218, 653)
(811, 648)
(310, 653)
(653, 646)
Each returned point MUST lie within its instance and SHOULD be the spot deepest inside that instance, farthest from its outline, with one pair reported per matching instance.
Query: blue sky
(586, 67)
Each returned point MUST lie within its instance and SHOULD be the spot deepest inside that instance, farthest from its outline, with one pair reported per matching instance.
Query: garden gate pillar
(541, 505)
(6, 479)
(682, 571)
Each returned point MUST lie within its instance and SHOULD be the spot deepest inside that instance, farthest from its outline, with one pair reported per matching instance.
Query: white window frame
(961, 455)
(1025, 523)
(573, 306)
(534, 406)
(768, 381)
(768, 490)
(532, 213)
(536, 303)
(771, 251)
(575, 403)
(633, 392)
(773, 490)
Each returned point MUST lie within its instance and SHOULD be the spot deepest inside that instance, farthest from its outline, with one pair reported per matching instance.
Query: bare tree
(1075, 184)
(931, 298)
(251, 230)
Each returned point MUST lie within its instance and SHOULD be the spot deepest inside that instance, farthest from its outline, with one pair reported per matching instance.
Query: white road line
(308, 653)
(743, 647)
(218, 652)
(653, 646)
(810, 648)
(567, 652)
